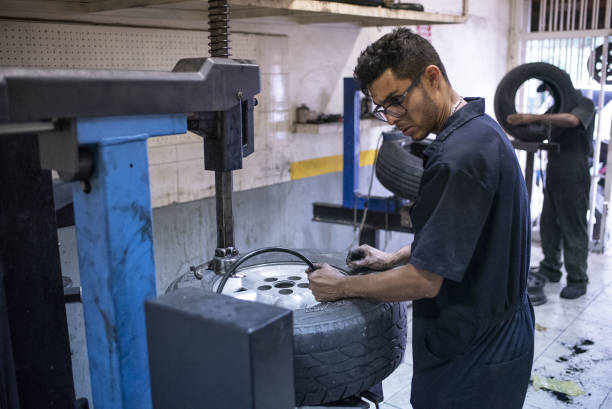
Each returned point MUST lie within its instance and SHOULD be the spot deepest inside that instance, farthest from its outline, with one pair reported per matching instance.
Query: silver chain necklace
(456, 105)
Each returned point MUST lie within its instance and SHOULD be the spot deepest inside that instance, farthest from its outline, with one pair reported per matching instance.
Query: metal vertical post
(542, 22)
(604, 235)
(561, 15)
(224, 187)
(550, 16)
(595, 15)
(31, 276)
(529, 173)
(115, 249)
(605, 229)
(516, 24)
(218, 22)
(350, 184)
(600, 104)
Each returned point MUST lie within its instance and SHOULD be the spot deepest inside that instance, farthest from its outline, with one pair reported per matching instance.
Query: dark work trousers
(563, 224)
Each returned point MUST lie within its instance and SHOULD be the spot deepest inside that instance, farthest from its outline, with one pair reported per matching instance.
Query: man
(466, 269)
(566, 195)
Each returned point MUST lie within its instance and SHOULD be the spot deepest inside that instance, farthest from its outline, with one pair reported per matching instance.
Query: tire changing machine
(92, 128)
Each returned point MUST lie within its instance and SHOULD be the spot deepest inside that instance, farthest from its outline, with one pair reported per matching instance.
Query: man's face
(418, 120)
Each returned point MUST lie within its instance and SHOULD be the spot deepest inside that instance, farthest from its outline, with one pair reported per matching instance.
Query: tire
(598, 64)
(560, 85)
(340, 348)
(399, 168)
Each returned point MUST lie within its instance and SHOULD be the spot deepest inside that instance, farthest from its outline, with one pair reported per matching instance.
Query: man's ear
(432, 76)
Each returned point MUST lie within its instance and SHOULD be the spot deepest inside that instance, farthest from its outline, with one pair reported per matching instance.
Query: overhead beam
(107, 5)
(328, 7)
(170, 14)
(73, 12)
(25, 6)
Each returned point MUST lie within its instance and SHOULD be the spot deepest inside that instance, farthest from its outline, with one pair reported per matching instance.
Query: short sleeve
(584, 111)
(449, 217)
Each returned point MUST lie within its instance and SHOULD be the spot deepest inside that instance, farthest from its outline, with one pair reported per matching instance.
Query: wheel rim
(281, 284)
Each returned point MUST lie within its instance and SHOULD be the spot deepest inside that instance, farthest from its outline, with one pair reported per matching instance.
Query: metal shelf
(314, 11)
(192, 14)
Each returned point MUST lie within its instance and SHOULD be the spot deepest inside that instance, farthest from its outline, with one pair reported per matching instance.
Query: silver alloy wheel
(281, 284)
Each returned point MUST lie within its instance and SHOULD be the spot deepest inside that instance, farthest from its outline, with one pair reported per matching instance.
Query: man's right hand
(366, 256)
(520, 119)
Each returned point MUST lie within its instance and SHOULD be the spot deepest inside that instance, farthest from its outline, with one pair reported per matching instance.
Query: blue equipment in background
(383, 213)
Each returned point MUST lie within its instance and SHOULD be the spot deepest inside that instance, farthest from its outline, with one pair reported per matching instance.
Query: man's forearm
(398, 284)
(561, 120)
(401, 257)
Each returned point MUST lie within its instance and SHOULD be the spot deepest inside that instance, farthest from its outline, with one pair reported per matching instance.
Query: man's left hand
(326, 283)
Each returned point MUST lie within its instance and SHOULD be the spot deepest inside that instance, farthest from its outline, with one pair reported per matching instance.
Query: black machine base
(229, 353)
(374, 395)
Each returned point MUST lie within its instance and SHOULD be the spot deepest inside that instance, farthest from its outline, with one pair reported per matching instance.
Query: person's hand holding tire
(325, 282)
(366, 256)
(519, 119)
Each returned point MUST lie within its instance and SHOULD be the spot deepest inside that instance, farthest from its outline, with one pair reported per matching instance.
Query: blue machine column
(115, 247)
(350, 182)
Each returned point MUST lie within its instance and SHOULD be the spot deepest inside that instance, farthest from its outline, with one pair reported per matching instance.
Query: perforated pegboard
(176, 161)
(53, 45)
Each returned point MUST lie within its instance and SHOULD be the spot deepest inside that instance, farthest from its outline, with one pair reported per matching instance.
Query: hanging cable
(254, 253)
(365, 206)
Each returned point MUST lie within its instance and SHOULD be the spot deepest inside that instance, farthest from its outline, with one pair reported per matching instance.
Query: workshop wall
(300, 64)
(319, 56)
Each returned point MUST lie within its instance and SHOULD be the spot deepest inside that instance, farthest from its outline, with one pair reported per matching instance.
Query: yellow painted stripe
(327, 164)
(366, 158)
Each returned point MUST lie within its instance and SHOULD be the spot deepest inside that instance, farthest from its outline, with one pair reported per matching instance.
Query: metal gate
(575, 36)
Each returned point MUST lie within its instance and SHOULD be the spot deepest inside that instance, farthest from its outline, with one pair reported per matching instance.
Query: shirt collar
(475, 107)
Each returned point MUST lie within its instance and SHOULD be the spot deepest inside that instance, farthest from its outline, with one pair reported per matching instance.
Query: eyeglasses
(395, 108)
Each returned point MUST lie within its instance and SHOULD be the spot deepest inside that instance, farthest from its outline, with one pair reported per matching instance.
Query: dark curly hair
(405, 52)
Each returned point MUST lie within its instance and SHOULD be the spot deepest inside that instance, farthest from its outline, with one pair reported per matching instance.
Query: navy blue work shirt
(473, 342)
(571, 163)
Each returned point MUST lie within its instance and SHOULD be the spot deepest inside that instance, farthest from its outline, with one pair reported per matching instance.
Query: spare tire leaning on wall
(340, 348)
(399, 166)
(559, 84)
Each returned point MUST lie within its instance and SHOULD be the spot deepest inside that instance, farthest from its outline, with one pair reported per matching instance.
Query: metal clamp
(60, 151)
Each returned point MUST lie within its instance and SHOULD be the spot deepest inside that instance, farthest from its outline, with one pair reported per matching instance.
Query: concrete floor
(561, 326)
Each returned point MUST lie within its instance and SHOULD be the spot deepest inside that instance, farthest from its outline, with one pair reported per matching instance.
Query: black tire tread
(364, 340)
(398, 170)
(344, 366)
